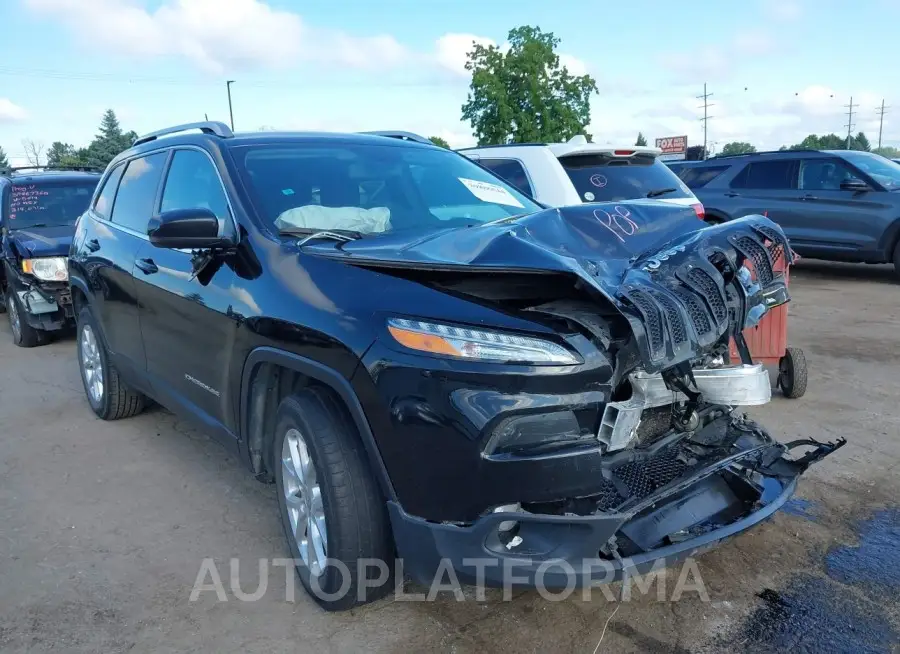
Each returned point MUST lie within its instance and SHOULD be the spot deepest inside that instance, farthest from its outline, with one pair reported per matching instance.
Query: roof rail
(750, 154)
(404, 136)
(79, 169)
(213, 127)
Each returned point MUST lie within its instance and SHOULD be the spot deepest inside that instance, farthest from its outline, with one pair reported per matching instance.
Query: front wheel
(897, 261)
(332, 510)
(24, 335)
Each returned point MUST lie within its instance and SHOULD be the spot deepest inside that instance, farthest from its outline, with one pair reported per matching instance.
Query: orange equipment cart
(767, 343)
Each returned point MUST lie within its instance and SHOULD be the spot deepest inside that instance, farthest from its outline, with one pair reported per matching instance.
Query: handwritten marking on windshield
(619, 222)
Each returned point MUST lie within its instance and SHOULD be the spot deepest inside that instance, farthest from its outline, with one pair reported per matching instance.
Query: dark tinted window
(510, 170)
(768, 175)
(104, 203)
(372, 188)
(698, 177)
(135, 201)
(192, 182)
(47, 203)
(604, 178)
(824, 174)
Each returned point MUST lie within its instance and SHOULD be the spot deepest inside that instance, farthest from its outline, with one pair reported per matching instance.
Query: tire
(792, 373)
(897, 261)
(344, 499)
(111, 399)
(24, 335)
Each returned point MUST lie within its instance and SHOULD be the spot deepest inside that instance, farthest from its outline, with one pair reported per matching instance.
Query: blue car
(38, 210)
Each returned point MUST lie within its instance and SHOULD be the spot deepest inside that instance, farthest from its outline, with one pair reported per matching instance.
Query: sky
(777, 69)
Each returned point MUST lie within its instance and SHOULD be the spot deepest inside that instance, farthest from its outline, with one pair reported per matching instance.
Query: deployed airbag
(312, 216)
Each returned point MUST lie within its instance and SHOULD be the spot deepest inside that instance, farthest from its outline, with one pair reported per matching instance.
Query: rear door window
(697, 177)
(104, 204)
(510, 170)
(780, 174)
(136, 199)
(605, 178)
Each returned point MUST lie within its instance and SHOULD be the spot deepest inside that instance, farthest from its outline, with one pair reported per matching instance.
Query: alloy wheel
(303, 498)
(14, 320)
(91, 364)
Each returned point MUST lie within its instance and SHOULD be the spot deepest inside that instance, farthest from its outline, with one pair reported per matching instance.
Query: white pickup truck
(575, 172)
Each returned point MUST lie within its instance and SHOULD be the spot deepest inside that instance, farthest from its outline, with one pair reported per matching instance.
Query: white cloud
(216, 35)
(783, 10)
(574, 65)
(10, 112)
(452, 50)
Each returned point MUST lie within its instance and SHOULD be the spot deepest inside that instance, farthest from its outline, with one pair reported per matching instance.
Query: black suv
(427, 363)
(38, 210)
(842, 205)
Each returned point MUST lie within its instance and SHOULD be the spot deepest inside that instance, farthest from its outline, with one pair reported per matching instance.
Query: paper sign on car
(488, 192)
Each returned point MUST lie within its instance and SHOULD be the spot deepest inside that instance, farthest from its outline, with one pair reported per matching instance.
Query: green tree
(4, 161)
(437, 140)
(888, 151)
(524, 94)
(738, 147)
(109, 142)
(63, 154)
(824, 142)
(641, 141)
(860, 142)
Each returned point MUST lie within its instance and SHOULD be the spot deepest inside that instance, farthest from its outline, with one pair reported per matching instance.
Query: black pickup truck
(38, 210)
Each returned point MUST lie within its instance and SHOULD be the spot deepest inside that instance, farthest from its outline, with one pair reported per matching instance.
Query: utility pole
(850, 108)
(706, 105)
(881, 113)
(230, 113)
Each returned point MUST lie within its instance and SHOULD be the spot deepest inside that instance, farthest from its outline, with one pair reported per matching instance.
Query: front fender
(252, 435)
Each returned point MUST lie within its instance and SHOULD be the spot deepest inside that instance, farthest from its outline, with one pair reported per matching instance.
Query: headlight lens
(49, 269)
(477, 344)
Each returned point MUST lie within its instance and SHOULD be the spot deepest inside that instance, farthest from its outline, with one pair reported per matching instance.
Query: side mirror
(855, 185)
(186, 229)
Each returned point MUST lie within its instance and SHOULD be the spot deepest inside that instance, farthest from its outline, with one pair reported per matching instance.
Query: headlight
(49, 269)
(477, 344)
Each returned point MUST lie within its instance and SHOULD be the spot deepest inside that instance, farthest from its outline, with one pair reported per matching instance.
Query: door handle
(146, 266)
(809, 196)
(732, 194)
(92, 245)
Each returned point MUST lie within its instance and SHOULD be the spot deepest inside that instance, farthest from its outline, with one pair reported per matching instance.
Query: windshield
(48, 204)
(605, 178)
(372, 189)
(884, 171)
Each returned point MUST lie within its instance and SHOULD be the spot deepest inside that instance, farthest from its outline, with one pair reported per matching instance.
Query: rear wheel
(332, 510)
(109, 398)
(24, 335)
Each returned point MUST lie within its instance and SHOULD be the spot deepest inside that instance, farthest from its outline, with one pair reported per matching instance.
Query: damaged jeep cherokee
(428, 364)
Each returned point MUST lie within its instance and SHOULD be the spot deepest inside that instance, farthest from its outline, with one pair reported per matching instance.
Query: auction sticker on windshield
(487, 192)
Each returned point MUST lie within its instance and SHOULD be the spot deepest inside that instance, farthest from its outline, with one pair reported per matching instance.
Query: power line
(706, 105)
(850, 124)
(881, 111)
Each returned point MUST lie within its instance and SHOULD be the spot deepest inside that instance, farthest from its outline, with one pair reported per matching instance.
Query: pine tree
(641, 141)
(109, 142)
(4, 162)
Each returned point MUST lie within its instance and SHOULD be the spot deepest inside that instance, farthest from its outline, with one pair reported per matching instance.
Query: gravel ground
(104, 526)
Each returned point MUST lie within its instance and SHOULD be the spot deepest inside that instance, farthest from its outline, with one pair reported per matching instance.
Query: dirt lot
(103, 526)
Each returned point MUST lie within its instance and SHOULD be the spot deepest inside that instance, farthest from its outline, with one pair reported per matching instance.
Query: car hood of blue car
(33, 242)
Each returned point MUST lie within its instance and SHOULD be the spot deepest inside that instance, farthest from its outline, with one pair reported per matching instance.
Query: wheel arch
(890, 239)
(256, 394)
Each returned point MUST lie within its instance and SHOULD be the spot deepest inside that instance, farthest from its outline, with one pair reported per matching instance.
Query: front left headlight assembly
(48, 269)
(478, 344)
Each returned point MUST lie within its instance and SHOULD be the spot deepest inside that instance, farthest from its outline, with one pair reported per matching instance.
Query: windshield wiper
(341, 237)
(660, 191)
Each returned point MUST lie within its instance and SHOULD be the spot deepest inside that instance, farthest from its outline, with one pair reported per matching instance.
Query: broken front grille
(673, 317)
(757, 254)
(703, 283)
(652, 319)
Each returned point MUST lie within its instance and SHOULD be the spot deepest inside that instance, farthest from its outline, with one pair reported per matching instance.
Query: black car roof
(39, 176)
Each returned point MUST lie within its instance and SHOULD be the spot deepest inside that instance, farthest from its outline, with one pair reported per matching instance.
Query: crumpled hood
(651, 260)
(42, 241)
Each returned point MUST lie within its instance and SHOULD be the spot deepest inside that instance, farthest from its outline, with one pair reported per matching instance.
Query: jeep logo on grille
(654, 262)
